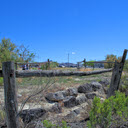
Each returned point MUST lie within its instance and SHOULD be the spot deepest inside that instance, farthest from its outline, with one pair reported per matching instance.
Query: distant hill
(67, 65)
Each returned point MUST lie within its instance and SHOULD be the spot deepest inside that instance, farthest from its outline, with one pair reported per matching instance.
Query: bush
(52, 65)
(1, 81)
(126, 66)
(110, 58)
(2, 116)
(91, 64)
(112, 112)
(48, 124)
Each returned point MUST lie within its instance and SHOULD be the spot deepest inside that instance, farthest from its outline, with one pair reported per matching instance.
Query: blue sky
(89, 29)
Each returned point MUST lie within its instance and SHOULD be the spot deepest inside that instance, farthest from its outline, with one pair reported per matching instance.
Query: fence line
(9, 74)
(35, 63)
(52, 73)
(86, 62)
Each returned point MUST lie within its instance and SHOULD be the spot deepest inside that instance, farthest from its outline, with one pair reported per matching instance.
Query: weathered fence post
(11, 106)
(16, 66)
(116, 75)
(48, 64)
(84, 63)
(78, 66)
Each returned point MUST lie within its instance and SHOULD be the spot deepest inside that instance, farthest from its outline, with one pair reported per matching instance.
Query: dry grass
(85, 69)
(19, 80)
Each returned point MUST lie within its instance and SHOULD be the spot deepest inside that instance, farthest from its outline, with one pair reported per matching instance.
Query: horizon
(57, 29)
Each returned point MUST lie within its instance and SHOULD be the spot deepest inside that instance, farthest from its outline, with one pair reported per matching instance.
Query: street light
(68, 59)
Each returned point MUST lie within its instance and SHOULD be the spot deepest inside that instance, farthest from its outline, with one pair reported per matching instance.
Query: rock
(90, 95)
(70, 101)
(56, 108)
(72, 92)
(106, 90)
(77, 124)
(85, 88)
(35, 124)
(73, 114)
(28, 115)
(96, 86)
(81, 99)
(57, 96)
(105, 82)
(77, 111)
(19, 95)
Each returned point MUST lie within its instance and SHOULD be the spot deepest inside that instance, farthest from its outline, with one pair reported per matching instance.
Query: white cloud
(73, 53)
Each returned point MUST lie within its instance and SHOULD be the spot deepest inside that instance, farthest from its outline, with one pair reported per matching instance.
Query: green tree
(91, 64)
(52, 65)
(126, 65)
(110, 58)
(24, 54)
(7, 51)
(10, 52)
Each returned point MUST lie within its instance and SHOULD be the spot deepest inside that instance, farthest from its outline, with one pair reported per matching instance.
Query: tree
(91, 64)
(10, 52)
(110, 58)
(126, 65)
(25, 54)
(7, 51)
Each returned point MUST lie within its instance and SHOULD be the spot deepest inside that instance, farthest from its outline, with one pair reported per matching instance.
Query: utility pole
(68, 59)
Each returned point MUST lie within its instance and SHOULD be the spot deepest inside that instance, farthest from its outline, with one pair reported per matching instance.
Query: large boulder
(35, 124)
(90, 95)
(56, 108)
(81, 99)
(72, 92)
(105, 82)
(28, 115)
(85, 88)
(70, 101)
(56, 97)
(95, 86)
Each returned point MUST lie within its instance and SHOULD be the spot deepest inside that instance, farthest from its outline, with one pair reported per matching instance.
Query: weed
(1, 81)
(2, 116)
(48, 124)
(106, 113)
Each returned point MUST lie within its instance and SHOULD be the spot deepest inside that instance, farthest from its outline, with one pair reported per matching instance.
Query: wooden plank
(99, 62)
(21, 63)
(10, 94)
(52, 73)
(116, 75)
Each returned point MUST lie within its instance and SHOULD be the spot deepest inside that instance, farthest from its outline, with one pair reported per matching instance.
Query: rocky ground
(70, 104)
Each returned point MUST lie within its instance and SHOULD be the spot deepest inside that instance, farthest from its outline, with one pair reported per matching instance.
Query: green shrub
(52, 65)
(125, 66)
(113, 110)
(48, 124)
(1, 81)
(2, 116)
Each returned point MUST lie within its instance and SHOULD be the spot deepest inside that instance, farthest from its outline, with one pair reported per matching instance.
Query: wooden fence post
(11, 106)
(48, 64)
(78, 67)
(84, 63)
(116, 75)
(16, 66)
